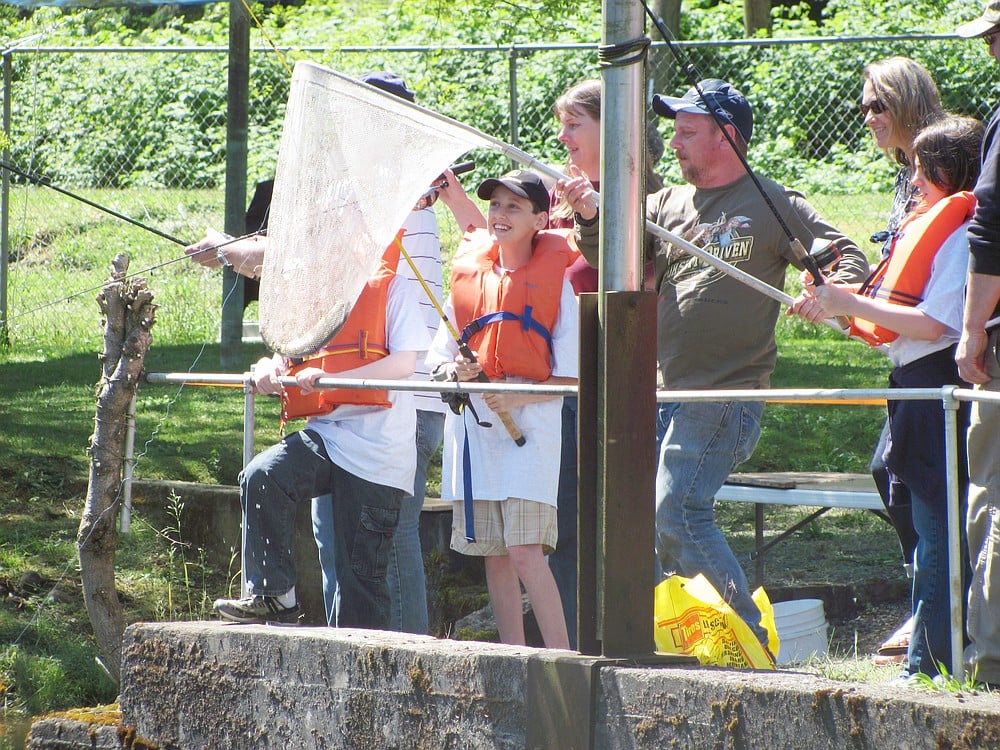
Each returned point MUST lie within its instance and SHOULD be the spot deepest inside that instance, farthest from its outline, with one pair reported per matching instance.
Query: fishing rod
(213, 249)
(508, 421)
(45, 182)
(691, 73)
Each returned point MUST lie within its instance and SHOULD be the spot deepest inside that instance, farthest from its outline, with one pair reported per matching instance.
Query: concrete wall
(209, 685)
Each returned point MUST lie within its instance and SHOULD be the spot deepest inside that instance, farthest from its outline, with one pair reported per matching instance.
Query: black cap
(389, 82)
(725, 100)
(522, 182)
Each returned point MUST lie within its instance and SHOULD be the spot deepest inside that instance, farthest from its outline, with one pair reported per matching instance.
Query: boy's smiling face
(511, 218)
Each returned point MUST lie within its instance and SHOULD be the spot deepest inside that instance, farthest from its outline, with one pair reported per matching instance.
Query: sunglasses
(990, 38)
(875, 106)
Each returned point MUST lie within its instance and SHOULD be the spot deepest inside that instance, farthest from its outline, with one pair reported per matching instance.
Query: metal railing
(949, 396)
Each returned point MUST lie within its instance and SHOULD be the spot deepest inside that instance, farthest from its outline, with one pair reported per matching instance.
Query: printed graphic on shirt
(726, 238)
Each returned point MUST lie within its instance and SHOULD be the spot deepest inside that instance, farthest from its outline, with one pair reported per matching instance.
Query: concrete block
(188, 686)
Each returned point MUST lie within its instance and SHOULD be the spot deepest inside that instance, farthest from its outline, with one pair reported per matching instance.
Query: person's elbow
(404, 364)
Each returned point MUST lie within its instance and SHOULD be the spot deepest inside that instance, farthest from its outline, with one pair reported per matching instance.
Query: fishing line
(44, 181)
(213, 249)
(691, 73)
(260, 27)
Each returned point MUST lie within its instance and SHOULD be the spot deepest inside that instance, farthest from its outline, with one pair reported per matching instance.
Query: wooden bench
(820, 490)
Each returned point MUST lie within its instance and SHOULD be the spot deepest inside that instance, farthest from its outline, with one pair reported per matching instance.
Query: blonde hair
(584, 98)
(909, 93)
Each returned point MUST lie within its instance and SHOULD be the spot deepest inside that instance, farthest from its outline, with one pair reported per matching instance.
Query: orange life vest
(362, 340)
(519, 343)
(902, 277)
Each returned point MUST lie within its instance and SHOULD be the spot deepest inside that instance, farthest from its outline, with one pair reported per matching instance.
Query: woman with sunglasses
(898, 98)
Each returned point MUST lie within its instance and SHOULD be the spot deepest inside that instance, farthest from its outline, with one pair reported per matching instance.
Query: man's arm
(982, 295)
(245, 256)
(466, 212)
(853, 267)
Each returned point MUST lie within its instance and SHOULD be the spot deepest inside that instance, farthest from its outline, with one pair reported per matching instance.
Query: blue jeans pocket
(750, 416)
(370, 556)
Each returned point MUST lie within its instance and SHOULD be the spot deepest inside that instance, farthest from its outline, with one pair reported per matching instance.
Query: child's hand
(266, 374)
(306, 378)
(467, 369)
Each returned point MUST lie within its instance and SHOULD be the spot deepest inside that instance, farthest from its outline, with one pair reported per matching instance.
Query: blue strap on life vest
(470, 526)
(528, 323)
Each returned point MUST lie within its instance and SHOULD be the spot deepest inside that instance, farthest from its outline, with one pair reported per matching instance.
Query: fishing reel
(826, 254)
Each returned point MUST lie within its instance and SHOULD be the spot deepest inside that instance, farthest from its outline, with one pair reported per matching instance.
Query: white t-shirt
(423, 245)
(944, 297)
(501, 469)
(372, 442)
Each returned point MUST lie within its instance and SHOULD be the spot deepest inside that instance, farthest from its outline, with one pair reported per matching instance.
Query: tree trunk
(756, 16)
(129, 314)
(663, 70)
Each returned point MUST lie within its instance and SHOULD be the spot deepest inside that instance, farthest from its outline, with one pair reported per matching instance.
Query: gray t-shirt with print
(714, 331)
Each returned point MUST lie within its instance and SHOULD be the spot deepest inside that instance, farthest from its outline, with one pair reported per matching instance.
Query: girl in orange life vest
(913, 302)
(505, 495)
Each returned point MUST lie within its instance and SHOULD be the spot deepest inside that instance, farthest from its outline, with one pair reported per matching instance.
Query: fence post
(231, 335)
(5, 202)
(512, 80)
(955, 524)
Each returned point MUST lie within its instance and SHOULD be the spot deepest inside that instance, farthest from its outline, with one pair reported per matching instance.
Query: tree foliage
(166, 127)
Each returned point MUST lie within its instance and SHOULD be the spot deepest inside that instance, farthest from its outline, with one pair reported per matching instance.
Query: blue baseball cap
(389, 82)
(725, 99)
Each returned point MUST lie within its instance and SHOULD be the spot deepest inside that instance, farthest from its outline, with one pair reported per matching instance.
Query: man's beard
(690, 172)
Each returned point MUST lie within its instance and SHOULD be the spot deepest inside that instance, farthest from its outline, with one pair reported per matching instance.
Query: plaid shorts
(502, 524)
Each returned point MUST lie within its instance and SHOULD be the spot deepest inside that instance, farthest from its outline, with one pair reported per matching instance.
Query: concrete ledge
(201, 685)
(69, 734)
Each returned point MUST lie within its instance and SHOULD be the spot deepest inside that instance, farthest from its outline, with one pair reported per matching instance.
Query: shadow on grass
(186, 433)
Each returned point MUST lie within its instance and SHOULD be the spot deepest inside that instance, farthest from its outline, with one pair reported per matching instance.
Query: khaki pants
(983, 528)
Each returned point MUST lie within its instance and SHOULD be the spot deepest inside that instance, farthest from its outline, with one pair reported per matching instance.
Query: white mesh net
(352, 162)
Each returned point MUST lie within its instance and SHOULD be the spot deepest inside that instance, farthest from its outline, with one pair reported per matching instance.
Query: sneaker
(260, 609)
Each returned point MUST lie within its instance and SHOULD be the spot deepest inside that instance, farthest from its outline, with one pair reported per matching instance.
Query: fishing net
(352, 162)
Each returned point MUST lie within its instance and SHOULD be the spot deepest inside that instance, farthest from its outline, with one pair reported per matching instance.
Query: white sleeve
(944, 294)
(444, 347)
(566, 335)
(405, 331)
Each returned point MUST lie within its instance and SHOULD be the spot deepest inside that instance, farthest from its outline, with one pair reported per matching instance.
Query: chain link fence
(143, 132)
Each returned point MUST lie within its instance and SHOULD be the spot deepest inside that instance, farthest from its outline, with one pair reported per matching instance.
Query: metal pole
(237, 107)
(512, 85)
(249, 399)
(624, 428)
(8, 78)
(125, 518)
(955, 519)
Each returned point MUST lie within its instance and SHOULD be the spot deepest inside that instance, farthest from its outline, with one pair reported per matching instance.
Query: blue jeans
(930, 642)
(563, 562)
(323, 535)
(365, 516)
(983, 654)
(702, 443)
(406, 578)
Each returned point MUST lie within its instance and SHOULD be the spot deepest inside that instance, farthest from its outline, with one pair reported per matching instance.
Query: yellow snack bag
(691, 618)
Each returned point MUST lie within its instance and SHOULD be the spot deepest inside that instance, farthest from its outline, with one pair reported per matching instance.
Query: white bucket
(801, 626)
